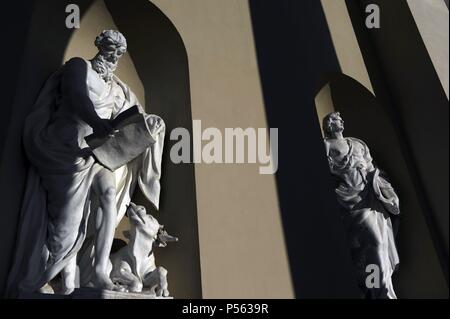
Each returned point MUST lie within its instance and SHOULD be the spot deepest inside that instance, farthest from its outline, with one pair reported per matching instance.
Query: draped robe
(59, 198)
(368, 201)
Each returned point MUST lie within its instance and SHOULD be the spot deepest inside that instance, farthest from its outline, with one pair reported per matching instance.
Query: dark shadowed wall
(409, 89)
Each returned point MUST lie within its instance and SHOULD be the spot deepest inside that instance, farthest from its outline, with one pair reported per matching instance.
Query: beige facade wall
(324, 103)
(347, 50)
(242, 249)
(345, 42)
(432, 17)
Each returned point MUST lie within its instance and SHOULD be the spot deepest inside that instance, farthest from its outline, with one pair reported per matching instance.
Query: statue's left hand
(103, 128)
(85, 152)
(155, 124)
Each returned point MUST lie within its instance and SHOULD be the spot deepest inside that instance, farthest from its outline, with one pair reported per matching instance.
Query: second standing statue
(368, 201)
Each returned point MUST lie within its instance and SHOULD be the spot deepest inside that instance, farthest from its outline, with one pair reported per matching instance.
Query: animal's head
(146, 225)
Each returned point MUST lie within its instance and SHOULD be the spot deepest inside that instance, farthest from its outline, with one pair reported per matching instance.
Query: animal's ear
(162, 245)
(163, 238)
(126, 234)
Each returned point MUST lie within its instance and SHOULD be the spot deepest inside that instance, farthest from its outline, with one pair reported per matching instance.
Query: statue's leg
(69, 274)
(156, 281)
(104, 187)
(127, 279)
(376, 253)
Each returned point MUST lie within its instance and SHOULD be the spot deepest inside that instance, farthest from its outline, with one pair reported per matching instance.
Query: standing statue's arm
(368, 158)
(327, 152)
(75, 92)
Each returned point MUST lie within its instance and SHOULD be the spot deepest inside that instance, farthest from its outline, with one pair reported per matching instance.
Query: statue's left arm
(381, 185)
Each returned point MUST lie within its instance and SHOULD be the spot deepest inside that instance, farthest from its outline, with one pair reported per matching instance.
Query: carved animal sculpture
(133, 266)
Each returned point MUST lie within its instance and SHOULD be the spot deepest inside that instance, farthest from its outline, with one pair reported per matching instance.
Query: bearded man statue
(73, 202)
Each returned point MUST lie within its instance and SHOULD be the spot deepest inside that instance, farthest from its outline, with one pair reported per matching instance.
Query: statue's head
(332, 123)
(111, 45)
(146, 226)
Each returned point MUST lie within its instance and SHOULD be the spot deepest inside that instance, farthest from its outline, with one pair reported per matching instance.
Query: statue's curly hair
(110, 38)
(326, 123)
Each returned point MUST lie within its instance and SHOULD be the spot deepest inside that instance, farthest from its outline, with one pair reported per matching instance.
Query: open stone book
(131, 140)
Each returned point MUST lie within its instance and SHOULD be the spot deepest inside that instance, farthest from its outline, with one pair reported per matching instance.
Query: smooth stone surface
(92, 293)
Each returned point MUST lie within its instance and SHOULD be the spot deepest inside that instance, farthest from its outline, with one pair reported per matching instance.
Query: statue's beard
(103, 67)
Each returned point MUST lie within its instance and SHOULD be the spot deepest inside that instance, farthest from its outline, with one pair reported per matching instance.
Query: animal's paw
(120, 288)
(47, 289)
(136, 288)
(165, 293)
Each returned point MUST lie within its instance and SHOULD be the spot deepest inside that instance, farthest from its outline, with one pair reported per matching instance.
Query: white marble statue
(70, 198)
(133, 266)
(368, 202)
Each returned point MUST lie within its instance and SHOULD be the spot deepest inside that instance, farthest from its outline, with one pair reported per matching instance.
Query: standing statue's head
(111, 45)
(332, 123)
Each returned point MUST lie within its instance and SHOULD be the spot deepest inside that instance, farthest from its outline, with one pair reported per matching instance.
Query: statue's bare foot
(46, 289)
(67, 291)
(103, 282)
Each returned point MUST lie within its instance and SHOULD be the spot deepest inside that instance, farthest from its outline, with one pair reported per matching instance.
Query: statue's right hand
(103, 128)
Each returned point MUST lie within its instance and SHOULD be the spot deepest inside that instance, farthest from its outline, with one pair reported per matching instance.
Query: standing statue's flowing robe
(368, 202)
(59, 198)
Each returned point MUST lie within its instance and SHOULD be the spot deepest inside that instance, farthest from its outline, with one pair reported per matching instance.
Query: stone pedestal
(91, 293)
